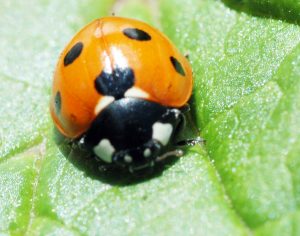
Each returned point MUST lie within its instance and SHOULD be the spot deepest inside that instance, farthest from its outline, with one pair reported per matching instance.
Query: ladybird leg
(137, 172)
(185, 108)
(174, 153)
(191, 142)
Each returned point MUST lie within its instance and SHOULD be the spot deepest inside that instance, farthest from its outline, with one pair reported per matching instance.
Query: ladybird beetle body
(119, 84)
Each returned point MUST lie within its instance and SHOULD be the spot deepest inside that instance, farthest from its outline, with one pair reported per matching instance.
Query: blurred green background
(246, 103)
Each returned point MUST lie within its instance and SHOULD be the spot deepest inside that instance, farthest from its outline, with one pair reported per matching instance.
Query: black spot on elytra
(116, 83)
(177, 66)
(73, 53)
(136, 34)
(57, 101)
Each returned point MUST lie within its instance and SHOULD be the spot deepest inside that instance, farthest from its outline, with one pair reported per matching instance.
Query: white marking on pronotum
(136, 93)
(102, 103)
(147, 152)
(162, 132)
(128, 158)
(104, 150)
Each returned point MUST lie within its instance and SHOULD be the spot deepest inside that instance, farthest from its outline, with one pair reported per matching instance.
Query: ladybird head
(133, 133)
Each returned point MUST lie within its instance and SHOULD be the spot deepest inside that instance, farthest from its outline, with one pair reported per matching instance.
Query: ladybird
(118, 89)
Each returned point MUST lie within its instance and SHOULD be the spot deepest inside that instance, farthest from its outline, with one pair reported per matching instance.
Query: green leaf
(287, 10)
(244, 180)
